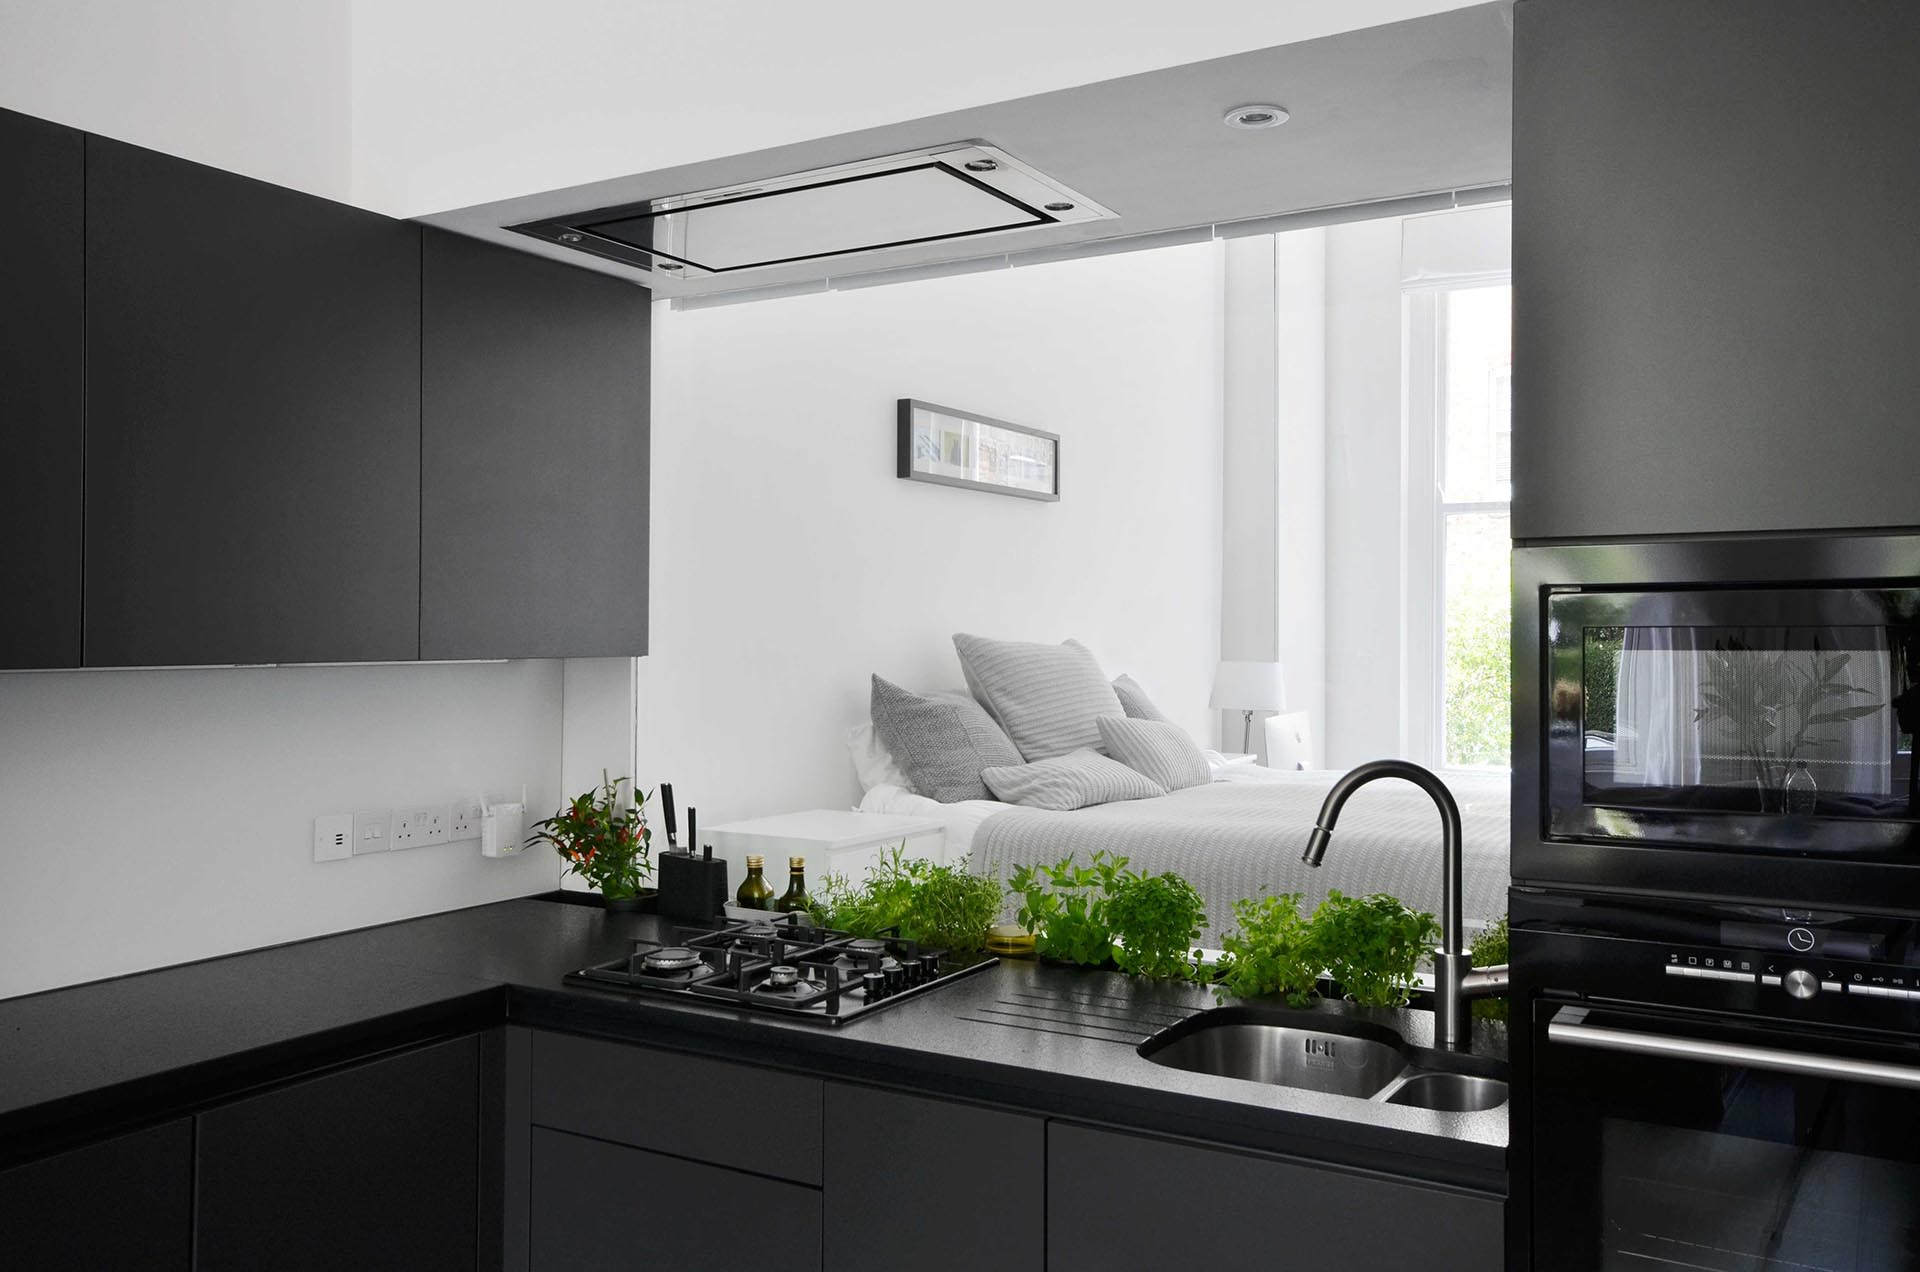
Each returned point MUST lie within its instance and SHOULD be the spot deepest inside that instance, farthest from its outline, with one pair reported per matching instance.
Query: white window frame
(1424, 554)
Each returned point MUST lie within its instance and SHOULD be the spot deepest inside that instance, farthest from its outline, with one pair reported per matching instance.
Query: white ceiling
(1415, 106)
(459, 102)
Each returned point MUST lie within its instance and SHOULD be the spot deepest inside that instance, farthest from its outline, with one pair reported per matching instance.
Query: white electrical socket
(419, 826)
(466, 819)
(371, 830)
(333, 837)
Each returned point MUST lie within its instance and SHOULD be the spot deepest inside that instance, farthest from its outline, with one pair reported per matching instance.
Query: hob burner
(674, 958)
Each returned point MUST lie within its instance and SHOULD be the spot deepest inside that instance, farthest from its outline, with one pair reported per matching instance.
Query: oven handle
(1569, 1026)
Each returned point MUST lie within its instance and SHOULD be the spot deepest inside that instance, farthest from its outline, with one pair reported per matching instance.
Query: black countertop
(1056, 1040)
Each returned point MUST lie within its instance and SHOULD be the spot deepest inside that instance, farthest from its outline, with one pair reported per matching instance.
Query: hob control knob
(1800, 983)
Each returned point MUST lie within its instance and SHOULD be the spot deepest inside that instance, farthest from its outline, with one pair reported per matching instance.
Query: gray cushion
(1134, 699)
(1075, 780)
(1046, 697)
(942, 741)
(1158, 750)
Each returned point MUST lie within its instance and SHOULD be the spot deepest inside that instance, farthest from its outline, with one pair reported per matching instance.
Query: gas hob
(783, 967)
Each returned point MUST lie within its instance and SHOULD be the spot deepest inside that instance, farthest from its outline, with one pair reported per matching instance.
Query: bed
(1241, 835)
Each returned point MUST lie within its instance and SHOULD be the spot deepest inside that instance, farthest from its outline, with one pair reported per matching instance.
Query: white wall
(458, 102)
(263, 89)
(1365, 492)
(790, 562)
(1274, 506)
(152, 817)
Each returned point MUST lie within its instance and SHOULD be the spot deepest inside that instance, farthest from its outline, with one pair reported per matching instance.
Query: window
(1460, 369)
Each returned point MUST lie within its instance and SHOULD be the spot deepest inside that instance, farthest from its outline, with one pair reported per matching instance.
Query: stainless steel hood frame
(1001, 195)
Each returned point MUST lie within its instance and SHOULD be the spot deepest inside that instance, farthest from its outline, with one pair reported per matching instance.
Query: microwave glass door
(1778, 719)
(1662, 1159)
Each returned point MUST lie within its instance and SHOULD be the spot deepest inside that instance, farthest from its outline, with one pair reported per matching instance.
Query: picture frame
(950, 447)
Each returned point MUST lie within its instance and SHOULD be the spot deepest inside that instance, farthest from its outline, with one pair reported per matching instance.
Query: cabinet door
(598, 1205)
(376, 1166)
(932, 1185)
(1126, 1203)
(125, 1203)
(1714, 266)
(42, 437)
(533, 539)
(253, 440)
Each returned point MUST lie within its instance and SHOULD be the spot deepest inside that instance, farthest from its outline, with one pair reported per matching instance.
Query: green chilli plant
(1373, 945)
(603, 838)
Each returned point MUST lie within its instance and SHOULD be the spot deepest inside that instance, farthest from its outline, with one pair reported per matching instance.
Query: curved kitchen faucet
(1454, 979)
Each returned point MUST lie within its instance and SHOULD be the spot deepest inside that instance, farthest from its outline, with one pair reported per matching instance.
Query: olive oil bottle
(755, 892)
(796, 896)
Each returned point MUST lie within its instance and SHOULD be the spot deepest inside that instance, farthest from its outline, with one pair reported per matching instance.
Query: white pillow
(873, 764)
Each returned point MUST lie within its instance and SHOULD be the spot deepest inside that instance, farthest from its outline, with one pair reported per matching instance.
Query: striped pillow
(1134, 699)
(1076, 780)
(941, 740)
(1158, 750)
(1047, 697)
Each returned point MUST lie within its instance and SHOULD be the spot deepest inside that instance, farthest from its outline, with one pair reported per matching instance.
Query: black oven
(1703, 1094)
(1720, 719)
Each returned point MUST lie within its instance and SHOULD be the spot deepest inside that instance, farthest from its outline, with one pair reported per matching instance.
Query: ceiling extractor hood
(942, 193)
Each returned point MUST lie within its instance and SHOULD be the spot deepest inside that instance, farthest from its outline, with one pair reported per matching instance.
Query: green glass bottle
(796, 895)
(755, 892)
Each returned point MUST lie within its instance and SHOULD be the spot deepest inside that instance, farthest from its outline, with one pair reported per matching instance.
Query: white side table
(832, 841)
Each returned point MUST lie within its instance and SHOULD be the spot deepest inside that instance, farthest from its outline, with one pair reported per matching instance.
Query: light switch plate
(333, 837)
(370, 830)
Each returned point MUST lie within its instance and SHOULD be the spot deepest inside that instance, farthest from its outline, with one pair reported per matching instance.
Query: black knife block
(693, 888)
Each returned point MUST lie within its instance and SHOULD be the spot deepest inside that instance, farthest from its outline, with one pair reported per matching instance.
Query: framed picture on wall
(958, 448)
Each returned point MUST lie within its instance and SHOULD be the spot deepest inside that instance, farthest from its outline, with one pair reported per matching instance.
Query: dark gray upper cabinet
(533, 536)
(124, 1203)
(253, 420)
(42, 437)
(1715, 257)
(374, 1166)
(932, 1185)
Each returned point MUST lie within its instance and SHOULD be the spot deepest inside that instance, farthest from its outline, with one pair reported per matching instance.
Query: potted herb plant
(948, 907)
(1272, 950)
(1102, 914)
(605, 840)
(1373, 945)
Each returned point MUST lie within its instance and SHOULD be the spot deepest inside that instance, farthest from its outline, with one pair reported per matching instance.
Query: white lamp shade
(1249, 686)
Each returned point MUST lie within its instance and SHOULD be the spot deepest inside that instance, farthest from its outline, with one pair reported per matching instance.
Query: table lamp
(1249, 687)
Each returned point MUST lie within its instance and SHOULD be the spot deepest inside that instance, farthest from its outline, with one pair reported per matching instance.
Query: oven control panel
(1795, 977)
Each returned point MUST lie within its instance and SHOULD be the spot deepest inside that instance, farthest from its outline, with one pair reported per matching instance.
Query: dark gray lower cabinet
(932, 1185)
(1128, 1203)
(606, 1206)
(376, 1166)
(124, 1203)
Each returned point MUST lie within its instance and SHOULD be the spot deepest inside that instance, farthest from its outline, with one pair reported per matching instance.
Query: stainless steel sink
(1318, 1051)
(1284, 1048)
(1448, 1092)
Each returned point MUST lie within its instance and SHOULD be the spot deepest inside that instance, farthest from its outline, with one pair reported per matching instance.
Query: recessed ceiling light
(981, 165)
(1058, 207)
(569, 237)
(1256, 116)
(670, 265)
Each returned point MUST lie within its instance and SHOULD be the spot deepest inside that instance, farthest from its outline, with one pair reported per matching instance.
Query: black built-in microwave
(1720, 719)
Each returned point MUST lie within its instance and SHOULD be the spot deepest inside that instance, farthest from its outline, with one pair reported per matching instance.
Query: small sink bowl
(1299, 1049)
(1449, 1092)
